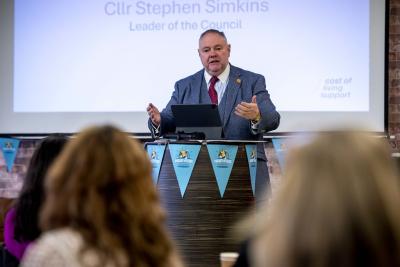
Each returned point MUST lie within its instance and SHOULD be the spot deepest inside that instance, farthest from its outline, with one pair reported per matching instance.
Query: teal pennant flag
(251, 152)
(156, 155)
(183, 158)
(279, 147)
(9, 147)
(222, 159)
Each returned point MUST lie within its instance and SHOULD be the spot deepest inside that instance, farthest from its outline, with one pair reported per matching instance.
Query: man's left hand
(248, 111)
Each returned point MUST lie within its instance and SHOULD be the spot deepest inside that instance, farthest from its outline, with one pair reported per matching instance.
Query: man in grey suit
(243, 102)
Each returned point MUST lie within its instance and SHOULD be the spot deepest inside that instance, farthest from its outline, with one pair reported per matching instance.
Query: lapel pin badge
(238, 81)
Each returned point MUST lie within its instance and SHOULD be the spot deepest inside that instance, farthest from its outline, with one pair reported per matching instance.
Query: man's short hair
(220, 33)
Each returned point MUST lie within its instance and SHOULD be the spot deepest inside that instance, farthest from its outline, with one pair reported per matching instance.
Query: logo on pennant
(9, 147)
(222, 154)
(183, 159)
(251, 152)
(156, 154)
(222, 159)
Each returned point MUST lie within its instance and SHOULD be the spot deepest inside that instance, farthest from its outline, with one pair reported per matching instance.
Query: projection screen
(68, 64)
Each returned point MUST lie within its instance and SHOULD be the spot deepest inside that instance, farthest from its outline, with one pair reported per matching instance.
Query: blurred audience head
(32, 193)
(101, 186)
(338, 206)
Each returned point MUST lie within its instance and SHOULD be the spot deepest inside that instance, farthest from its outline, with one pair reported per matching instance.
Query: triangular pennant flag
(280, 151)
(183, 158)
(222, 159)
(9, 146)
(156, 155)
(251, 152)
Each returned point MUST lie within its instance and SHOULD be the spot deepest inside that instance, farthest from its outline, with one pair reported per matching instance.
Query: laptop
(198, 118)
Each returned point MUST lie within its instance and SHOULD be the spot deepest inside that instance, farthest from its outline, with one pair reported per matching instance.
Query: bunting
(222, 159)
(279, 147)
(183, 158)
(251, 152)
(156, 155)
(9, 147)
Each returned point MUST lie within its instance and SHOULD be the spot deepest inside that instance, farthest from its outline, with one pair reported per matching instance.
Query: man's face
(214, 53)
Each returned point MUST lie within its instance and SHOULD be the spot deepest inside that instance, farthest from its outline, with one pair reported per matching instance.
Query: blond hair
(101, 186)
(338, 206)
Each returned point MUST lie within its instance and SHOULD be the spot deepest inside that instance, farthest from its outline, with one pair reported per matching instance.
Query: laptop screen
(198, 118)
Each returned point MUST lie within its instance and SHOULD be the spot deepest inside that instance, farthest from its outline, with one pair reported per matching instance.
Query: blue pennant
(251, 152)
(280, 151)
(183, 158)
(156, 155)
(9, 146)
(222, 159)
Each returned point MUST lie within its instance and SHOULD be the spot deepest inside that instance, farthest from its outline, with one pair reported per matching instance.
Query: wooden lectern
(201, 221)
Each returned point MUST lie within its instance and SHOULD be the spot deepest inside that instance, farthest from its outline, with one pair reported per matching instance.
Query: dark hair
(32, 193)
(222, 34)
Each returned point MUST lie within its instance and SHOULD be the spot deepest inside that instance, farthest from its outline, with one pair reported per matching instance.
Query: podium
(201, 221)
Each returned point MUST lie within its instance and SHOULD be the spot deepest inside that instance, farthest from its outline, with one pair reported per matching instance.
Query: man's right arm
(154, 120)
(163, 122)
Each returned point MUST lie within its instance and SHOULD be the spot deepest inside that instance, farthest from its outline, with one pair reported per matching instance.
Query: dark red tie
(212, 92)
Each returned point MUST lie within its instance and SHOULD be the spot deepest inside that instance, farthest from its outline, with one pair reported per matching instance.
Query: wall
(394, 73)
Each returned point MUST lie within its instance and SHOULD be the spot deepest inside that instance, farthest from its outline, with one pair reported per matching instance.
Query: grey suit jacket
(242, 85)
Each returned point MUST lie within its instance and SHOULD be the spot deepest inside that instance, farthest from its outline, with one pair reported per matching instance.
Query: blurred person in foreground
(338, 206)
(102, 208)
(21, 225)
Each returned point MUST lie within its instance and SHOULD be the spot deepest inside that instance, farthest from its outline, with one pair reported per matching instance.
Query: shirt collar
(223, 77)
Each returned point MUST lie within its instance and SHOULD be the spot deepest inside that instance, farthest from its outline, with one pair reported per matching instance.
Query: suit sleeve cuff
(254, 126)
(156, 129)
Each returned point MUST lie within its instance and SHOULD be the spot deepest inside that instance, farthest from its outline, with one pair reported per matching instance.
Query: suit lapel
(231, 92)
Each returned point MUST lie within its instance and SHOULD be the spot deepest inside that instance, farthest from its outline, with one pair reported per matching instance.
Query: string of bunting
(184, 158)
